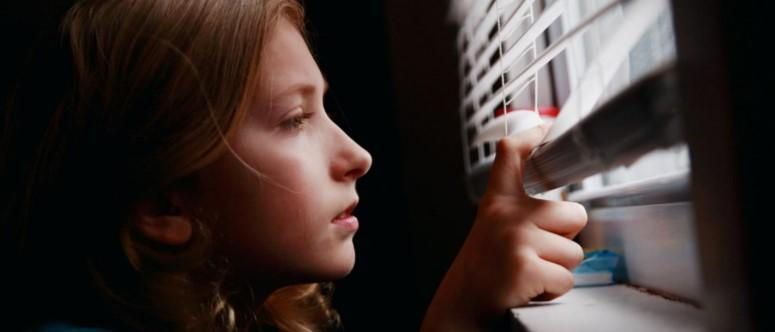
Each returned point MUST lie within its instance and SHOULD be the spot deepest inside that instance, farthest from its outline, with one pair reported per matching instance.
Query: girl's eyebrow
(303, 87)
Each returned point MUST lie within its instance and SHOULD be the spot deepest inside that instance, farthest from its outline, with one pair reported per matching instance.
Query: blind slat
(505, 32)
(639, 120)
(639, 17)
(512, 55)
(476, 12)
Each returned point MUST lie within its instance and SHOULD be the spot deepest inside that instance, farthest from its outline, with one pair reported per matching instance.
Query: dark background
(392, 67)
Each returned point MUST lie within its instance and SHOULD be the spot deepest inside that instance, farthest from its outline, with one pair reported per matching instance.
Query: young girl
(169, 165)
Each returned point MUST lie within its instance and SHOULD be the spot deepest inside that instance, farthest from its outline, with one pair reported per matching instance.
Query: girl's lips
(346, 218)
(347, 211)
(347, 221)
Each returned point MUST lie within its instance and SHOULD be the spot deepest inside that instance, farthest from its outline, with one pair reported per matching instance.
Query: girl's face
(286, 226)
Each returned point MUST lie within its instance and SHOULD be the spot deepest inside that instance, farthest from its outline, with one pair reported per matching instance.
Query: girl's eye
(297, 122)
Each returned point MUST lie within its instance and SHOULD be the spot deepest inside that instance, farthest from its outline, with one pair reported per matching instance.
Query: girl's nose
(352, 161)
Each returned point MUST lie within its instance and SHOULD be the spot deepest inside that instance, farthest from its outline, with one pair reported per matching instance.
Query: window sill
(609, 308)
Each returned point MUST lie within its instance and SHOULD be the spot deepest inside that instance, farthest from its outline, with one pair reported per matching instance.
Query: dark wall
(727, 84)
(349, 41)
(392, 69)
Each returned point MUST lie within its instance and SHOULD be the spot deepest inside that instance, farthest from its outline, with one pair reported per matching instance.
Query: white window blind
(608, 66)
(541, 56)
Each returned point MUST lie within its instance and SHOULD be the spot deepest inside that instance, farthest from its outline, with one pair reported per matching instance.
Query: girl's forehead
(287, 61)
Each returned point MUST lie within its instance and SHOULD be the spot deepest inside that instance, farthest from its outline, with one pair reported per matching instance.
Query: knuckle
(577, 215)
(576, 254)
(565, 282)
(491, 208)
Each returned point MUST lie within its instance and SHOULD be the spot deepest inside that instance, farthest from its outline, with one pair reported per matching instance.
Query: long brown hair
(124, 100)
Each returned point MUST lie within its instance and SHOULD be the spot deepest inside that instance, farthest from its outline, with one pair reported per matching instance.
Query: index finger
(510, 155)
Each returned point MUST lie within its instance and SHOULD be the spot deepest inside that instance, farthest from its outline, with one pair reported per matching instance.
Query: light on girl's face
(293, 223)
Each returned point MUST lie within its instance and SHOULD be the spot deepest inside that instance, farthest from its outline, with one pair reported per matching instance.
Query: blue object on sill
(599, 268)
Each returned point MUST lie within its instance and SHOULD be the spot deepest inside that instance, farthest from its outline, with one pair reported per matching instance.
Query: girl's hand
(519, 248)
